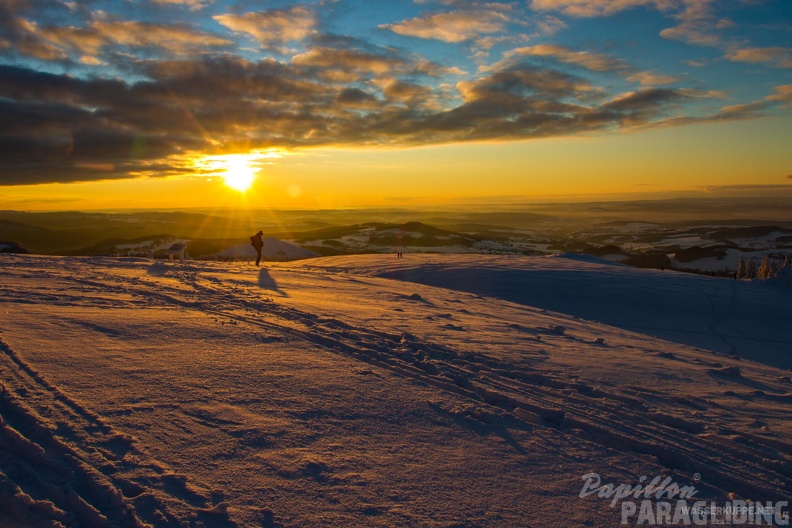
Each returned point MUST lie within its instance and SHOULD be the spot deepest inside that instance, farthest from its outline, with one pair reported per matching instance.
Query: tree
(750, 269)
(741, 268)
(765, 270)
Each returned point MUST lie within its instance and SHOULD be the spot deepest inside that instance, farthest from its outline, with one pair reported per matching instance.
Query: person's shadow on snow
(268, 283)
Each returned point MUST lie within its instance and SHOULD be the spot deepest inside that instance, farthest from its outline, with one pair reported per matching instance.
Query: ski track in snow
(105, 471)
(72, 466)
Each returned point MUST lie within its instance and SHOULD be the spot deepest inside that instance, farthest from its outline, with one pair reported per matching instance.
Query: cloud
(455, 26)
(59, 43)
(783, 94)
(643, 99)
(173, 38)
(589, 60)
(356, 97)
(701, 63)
(696, 24)
(193, 4)
(651, 79)
(90, 60)
(595, 8)
(777, 56)
(21, 36)
(348, 59)
(337, 90)
(399, 91)
(276, 26)
(741, 111)
(596, 62)
(436, 70)
(520, 82)
(57, 128)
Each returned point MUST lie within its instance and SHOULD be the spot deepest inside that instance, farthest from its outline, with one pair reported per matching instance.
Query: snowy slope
(750, 319)
(324, 393)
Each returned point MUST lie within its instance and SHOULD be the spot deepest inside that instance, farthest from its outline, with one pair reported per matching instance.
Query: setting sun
(239, 175)
(237, 170)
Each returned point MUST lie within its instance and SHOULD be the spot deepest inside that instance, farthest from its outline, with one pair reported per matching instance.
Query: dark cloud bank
(57, 128)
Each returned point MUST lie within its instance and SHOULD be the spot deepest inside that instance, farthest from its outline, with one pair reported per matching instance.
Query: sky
(343, 103)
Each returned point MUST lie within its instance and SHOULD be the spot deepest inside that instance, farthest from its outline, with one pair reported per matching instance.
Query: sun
(238, 173)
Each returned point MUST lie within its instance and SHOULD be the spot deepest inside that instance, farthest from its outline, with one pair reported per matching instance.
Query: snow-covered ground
(434, 390)
(747, 318)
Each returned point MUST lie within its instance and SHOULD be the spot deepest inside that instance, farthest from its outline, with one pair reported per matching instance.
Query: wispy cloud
(54, 43)
(173, 38)
(783, 95)
(348, 59)
(192, 4)
(651, 79)
(21, 36)
(593, 8)
(589, 60)
(777, 56)
(592, 61)
(275, 26)
(455, 26)
(696, 23)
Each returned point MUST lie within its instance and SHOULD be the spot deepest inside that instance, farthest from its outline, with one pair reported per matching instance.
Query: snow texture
(438, 391)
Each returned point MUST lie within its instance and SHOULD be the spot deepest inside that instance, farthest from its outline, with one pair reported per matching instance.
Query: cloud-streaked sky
(336, 97)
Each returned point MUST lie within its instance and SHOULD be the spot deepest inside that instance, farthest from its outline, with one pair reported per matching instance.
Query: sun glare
(238, 171)
(238, 174)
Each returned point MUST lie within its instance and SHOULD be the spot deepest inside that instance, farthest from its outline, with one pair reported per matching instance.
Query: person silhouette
(257, 244)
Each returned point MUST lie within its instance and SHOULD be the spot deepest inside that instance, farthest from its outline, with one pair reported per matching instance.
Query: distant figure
(257, 244)
(662, 268)
(399, 243)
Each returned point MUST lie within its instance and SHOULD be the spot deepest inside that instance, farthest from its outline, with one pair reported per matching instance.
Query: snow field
(324, 393)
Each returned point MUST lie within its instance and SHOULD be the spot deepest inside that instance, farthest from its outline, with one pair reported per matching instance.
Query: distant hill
(36, 238)
(273, 249)
(76, 233)
(731, 233)
(641, 234)
(378, 237)
(14, 247)
(114, 246)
